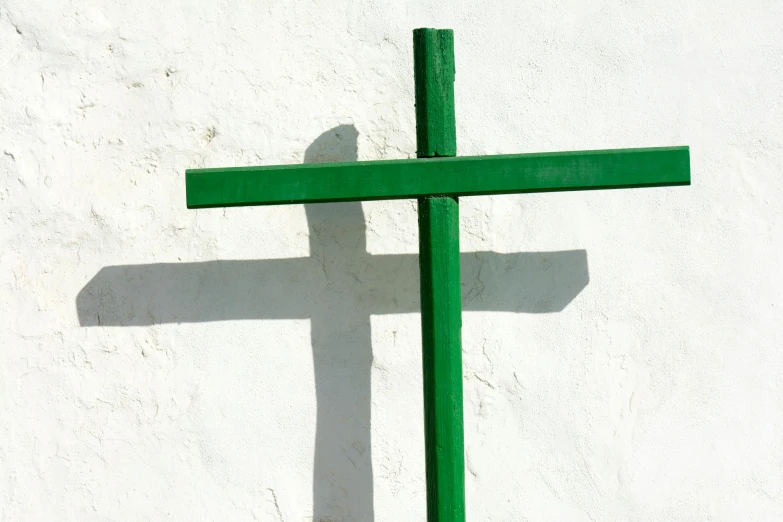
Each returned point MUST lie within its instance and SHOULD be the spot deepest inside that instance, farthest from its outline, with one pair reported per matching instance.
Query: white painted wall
(623, 350)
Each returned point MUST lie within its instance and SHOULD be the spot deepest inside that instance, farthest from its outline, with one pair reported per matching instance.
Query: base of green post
(441, 325)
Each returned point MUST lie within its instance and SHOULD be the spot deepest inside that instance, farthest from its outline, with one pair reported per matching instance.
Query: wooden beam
(460, 176)
(433, 74)
(441, 343)
(441, 295)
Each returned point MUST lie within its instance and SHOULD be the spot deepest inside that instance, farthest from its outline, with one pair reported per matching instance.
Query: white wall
(623, 350)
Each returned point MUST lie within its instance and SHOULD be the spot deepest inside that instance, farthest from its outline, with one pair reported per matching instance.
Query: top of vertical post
(433, 64)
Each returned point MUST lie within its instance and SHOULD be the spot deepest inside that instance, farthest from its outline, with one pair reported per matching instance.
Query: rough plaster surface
(623, 351)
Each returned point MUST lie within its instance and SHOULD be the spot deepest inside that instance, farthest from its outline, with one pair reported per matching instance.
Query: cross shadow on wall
(337, 288)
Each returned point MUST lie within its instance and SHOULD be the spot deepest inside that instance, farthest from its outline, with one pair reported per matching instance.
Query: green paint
(441, 305)
(437, 181)
(433, 71)
(461, 176)
(441, 327)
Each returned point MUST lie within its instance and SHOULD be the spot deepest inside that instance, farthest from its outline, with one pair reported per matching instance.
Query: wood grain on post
(433, 70)
(441, 307)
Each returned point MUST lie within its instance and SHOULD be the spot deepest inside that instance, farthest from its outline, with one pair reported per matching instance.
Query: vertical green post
(441, 307)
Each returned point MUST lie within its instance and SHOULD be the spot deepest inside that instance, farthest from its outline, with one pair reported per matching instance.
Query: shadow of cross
(337, 287)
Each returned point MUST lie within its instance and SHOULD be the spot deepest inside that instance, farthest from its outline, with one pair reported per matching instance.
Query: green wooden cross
(437, 179)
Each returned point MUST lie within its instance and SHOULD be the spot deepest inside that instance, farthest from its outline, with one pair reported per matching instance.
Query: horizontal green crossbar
(459, 176)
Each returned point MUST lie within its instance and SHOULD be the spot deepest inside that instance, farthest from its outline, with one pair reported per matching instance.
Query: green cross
(437, 179)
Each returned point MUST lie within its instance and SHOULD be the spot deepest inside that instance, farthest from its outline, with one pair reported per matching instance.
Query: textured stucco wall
(623, 350)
